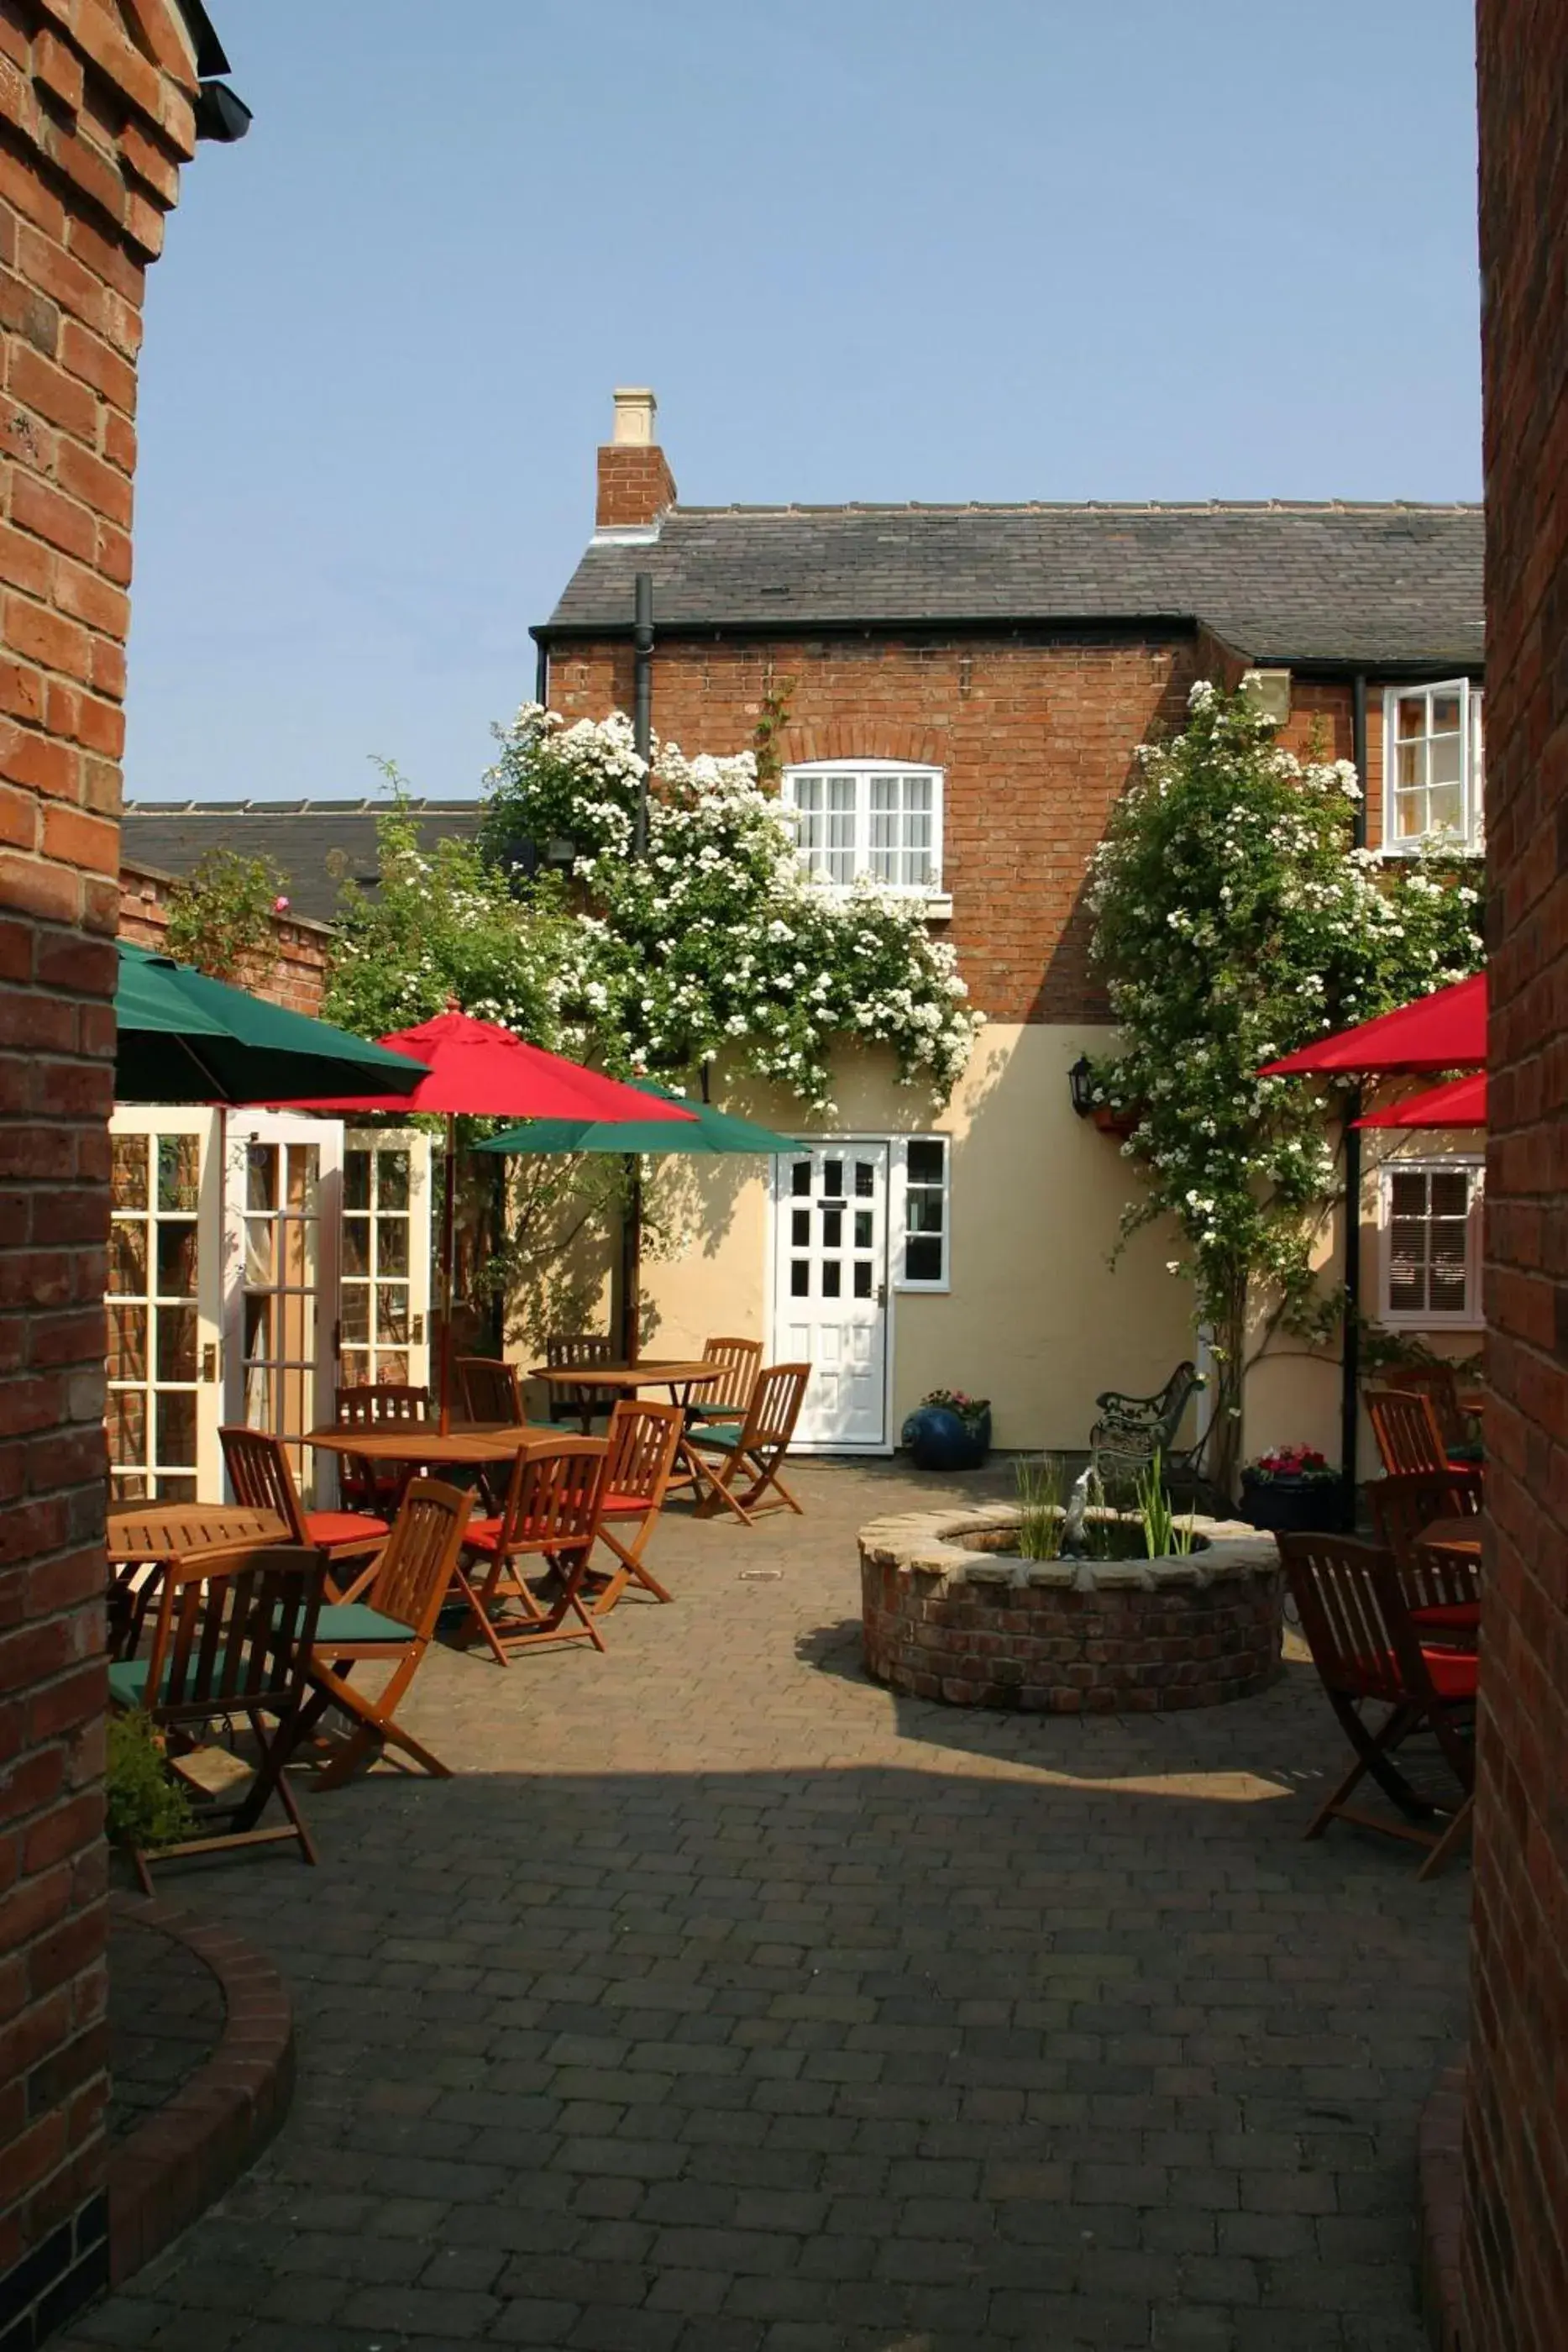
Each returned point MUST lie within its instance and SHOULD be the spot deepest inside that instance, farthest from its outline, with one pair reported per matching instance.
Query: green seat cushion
(356, 1620)
(128, 1681)
(715, 1439)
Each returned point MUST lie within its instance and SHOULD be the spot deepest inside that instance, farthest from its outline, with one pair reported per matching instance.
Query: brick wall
(1515, 2263)
(93, 126)
(294, 972)
(1036, 735)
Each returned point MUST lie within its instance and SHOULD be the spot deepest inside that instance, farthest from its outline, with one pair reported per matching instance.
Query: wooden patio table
(415, 1445)
(625, 1379)
(1461, 1537)
(149, 1534)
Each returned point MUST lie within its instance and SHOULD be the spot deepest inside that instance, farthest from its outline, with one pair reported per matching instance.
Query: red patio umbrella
(478, 1070)
(1445, 1031)
(1461, 1103)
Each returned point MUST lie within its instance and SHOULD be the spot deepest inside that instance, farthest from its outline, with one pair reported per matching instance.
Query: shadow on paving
(722, 2004)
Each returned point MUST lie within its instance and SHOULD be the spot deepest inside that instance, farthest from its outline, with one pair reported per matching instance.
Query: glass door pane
(283, 1198)
(385, 1281)
(162, 1359)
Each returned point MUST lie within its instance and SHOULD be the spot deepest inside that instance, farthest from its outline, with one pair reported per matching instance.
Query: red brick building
(101, 102)
(1516, 2153)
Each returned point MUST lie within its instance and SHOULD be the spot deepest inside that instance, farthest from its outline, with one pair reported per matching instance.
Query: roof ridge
(291, 808)
(1089, 505)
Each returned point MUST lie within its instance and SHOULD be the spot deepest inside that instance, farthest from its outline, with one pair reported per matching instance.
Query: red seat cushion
(482, 1534)
(623, 1507)
(333, 1528)
(1453, 1672)
(1448, 1617)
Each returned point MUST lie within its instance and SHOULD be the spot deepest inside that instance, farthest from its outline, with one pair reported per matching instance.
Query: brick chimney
(636, 484)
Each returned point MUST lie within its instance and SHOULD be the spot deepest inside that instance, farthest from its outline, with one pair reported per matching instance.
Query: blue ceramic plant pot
(936, 1438)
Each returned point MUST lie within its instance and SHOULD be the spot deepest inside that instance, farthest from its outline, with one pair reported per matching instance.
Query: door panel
(830, 1290)
(164, 1305)
(284, 1197)
(385, 1276)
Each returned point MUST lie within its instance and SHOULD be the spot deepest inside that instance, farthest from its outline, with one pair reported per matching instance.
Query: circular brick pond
(952, 1612)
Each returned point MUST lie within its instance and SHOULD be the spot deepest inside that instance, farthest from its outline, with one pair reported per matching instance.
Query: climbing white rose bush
(1234, 923)
(718, 942)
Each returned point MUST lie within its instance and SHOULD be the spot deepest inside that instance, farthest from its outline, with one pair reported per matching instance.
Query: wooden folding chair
(1357, 1622)
(491, 1390)
(1440, 1383)
(230, 1643)
(644, 1441)
(568, 1351)
(725, 1400)
(392, 1625)
(550, 1514)
(1405, 1423)
(755, 1451)
(1442, 1591)
(376, 1487)
(262, 1481)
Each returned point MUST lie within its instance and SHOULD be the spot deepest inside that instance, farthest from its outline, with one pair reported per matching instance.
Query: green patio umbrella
(708, 1132)
(186, 1038)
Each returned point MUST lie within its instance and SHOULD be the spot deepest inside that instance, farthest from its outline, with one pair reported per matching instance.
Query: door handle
(416, 1332)
(210, 1361)
(882, 1293)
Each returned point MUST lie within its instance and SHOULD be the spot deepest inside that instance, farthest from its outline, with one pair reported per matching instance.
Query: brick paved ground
(165, 2019)
(723, 2005)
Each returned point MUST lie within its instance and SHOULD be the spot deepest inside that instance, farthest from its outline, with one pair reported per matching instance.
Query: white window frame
(899, 1189)
(931, 892)
(1472, 767)
(1473, 1317)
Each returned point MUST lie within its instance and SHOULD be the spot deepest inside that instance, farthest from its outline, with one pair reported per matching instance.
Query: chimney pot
(636, 484)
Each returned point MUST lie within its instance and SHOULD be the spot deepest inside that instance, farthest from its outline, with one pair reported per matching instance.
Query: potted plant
(1292, 1490)
(949, 1430)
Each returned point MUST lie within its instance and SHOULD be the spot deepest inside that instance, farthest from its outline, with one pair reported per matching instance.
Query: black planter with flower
(948, 1431)
(1292, 1492)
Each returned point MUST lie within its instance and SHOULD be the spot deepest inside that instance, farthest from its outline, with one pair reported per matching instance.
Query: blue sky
(875, 249)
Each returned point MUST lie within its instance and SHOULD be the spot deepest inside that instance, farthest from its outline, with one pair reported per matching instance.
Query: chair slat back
(233, 1628)
(389, 1403)
(555, 1497)
(643, 1441)
(261, 1478)
(1406, 1503)
(742, 1360)
(775, 1408)
(1439, 1382)
(491, 1390)
(415, 1570)
(1353, 1615)
(566, 1351)
(1405, 1425)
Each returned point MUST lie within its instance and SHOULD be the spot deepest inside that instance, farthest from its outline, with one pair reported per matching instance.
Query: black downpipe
(642, 744)
(541, 677)
(1350, 1375)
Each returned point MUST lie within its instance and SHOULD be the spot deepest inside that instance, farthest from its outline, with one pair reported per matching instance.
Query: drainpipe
(642, 744)
(1350, 1353)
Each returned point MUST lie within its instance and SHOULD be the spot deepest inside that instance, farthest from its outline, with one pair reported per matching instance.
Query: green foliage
(220, 914)
(146, 1807)
(1164, 1535)
(1235, 922)
(1040, 1483)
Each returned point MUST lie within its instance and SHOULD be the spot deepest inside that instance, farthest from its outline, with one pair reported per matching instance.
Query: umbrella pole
(449, 1271)
(631, 1262)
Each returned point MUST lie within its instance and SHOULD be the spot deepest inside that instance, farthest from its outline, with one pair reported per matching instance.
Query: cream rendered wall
(1035, 1318)
(1291, 1396)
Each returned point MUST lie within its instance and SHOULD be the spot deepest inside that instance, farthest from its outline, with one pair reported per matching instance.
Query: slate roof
(1334, 583)
(318, 844)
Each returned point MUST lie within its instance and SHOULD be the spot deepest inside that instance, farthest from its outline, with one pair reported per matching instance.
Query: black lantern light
(1081, 1079)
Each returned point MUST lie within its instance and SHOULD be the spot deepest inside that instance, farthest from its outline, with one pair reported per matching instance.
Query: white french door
(830, 1290)
(164, 1304)
(284, 1196)
(385, 1299)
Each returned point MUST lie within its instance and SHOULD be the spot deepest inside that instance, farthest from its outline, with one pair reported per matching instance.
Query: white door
(830, 1290)
(385, 1298)
(164, 1305)
(284, 1199)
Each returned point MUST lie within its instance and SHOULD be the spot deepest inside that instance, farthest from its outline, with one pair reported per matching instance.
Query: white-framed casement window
(1430, 1217)
(877, 818)
(1432, 765)
(921, 1222)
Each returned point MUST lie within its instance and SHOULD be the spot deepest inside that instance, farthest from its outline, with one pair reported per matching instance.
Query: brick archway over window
(862, 739)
